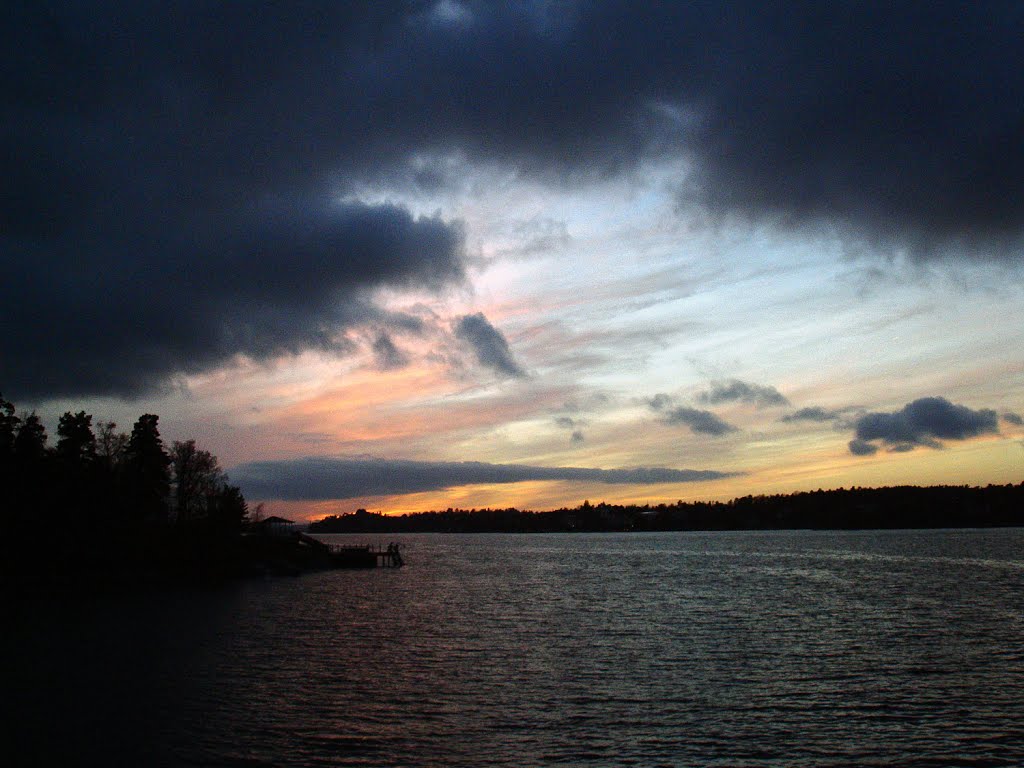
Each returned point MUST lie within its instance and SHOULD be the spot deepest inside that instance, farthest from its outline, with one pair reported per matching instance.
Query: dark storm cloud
(168, 167)
(1013, 418)
(924, 422)
(313, 479)
(168, 203)
(123, 315)
(740, 391)
(900, 121)
(488, 344)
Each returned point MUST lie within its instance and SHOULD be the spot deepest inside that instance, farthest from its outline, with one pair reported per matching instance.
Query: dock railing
(388, 557)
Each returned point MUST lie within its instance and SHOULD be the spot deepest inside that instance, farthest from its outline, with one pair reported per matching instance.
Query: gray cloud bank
(813, 413)
(316, 479)
(388, 356)
(735, 390)
(699, 421)
(924, 422)
(167, 167)
(488, 344)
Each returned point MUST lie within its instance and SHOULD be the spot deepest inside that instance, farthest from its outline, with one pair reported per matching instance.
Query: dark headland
(109, 509)
(840, 509)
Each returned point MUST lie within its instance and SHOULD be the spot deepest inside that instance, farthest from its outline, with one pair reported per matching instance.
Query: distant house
(278, 526)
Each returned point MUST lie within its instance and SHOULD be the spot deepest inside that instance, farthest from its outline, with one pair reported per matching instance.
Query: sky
(411, 256)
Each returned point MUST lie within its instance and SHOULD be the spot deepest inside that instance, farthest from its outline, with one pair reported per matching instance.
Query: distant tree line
(100, 498)
(853, 508)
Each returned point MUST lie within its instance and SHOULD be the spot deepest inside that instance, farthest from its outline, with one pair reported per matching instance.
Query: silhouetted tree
(147, 474)
(108, 475)
(110, 445)
(8, 427)
(226, 509)
(76, 496)
(30, 442)
(197, 478)
(9, 424)
(257, 515)
(76, 442)
(30, 486)
(202, 495)
(92, 492)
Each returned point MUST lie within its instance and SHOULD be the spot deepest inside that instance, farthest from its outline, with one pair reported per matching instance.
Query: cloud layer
(316, 479)
(169, 172)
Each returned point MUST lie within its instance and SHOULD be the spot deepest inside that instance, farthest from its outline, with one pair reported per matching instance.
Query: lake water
(718, 649)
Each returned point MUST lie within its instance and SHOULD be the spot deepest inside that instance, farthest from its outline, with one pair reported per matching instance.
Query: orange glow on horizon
(997, 461)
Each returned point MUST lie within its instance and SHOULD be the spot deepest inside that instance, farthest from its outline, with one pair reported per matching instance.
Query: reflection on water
(791, 648)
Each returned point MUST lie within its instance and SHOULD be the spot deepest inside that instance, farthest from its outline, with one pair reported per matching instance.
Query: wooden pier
(358, 555)
(366, 555)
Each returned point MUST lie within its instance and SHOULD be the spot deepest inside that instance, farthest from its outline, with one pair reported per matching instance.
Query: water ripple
(789, 649)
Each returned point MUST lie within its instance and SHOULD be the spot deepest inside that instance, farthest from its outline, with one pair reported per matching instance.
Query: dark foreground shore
(159, 559)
